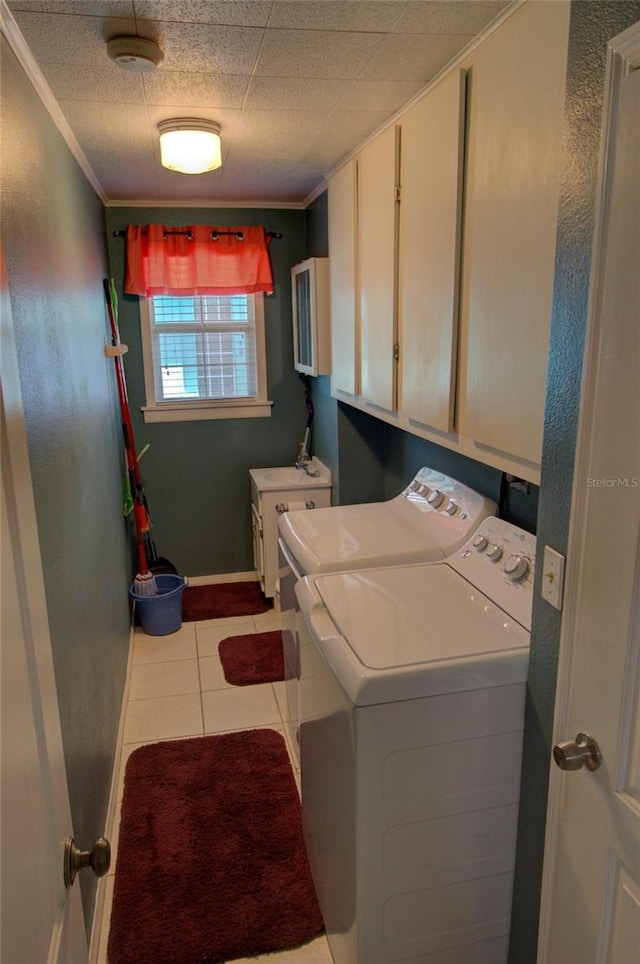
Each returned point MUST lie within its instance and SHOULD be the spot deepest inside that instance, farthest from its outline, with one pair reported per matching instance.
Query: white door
(41, 922)
(591, 888)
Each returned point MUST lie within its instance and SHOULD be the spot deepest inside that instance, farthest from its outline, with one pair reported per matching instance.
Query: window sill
(191, 413)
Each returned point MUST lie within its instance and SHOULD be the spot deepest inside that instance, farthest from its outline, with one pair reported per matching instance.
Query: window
(204, 357)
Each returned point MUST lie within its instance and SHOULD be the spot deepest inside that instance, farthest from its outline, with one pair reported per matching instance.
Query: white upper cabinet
(310, 310)
(430, 226)
(377, 267)
(515, 110)
(442, 250)
(345, 325)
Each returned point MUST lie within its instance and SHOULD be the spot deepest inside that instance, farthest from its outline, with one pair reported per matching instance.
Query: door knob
(98, 858)
(574, 754)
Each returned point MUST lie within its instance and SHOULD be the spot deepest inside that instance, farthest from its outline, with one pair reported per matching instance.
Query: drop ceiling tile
(315, 53)
(284, 134)
(343, 132)
(442, 16)
(379, 94)
(176, 185)
(208, 48)
(126, 182)
(93, 8)
(79, 82)
(168, 87)
(278, 93)
(417, 57)
(65, 39)
(261, 188)
(374, 15)
(112, 130)
(242, 13)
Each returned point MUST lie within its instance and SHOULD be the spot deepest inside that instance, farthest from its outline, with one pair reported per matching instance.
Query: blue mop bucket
(161, 614)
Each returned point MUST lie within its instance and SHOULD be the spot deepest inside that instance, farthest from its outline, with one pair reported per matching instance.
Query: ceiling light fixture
(135, 54)
(190, 145)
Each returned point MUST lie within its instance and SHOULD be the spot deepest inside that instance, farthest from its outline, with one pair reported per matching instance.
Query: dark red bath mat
(221, 600)
(252, 658)
(211, 862)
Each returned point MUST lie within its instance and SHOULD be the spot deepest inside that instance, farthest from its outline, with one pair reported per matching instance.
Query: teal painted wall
(592, 25)
(53, 241)
(196, 474)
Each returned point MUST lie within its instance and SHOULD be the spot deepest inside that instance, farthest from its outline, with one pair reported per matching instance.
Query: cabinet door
(430, 226)
(515, 113)
(345, 332)
(377, 262)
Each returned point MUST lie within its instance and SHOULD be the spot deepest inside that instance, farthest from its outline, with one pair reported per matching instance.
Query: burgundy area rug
(252, 658)
(221, 600)
(211, 862)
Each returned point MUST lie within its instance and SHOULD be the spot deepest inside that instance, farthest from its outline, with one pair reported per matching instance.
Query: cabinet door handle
(281, 507)
(310, 504)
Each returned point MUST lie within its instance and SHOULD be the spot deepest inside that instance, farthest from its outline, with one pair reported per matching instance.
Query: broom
(144, 582)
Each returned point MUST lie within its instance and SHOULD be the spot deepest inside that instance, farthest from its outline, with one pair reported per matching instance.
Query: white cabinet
(274, 491)
(344, 312)
(310, 304)
(430, 239)
(363, 249)
(514, 149)
(378, 166)
(467, 257)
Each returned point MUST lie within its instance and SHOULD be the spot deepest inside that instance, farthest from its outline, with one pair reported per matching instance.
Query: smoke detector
(135, 54)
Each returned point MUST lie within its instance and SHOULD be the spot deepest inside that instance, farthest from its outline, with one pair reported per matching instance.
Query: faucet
(303, 461)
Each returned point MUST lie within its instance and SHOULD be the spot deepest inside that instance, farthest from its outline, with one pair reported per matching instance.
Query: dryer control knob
(516, 567)
(451, 508)
(480, 543)
(436, 499)
(494, 553)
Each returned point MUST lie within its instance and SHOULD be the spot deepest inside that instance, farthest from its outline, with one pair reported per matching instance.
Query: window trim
(178, 411)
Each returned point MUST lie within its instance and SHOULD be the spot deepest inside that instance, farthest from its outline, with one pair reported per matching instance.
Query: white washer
(432, 517)
(412, 696)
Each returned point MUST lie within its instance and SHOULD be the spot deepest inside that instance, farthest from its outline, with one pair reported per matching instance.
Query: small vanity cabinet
(278, 490)
(310, 302)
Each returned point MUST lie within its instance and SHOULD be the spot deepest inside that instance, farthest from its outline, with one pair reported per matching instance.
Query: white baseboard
(223, 577)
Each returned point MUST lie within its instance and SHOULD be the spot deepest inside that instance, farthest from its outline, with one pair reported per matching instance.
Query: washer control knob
(494, 553)
(516, 567)
(436, 499)
(452, 508)
(415, 485)
(480, 543)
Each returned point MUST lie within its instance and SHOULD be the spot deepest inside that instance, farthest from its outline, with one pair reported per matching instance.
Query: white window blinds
(203, 347)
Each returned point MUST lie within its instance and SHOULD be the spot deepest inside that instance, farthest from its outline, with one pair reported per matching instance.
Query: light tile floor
(178, 690)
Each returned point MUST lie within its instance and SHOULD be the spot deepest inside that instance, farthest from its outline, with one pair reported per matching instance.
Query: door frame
(623, 56)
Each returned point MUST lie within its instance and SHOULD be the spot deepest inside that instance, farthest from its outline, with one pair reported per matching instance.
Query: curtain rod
(214, 234)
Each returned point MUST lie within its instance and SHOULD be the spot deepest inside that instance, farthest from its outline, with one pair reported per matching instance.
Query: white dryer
(431, 517)
(412, 697)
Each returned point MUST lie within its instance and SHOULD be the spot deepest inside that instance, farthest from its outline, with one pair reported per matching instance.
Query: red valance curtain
(197, 260)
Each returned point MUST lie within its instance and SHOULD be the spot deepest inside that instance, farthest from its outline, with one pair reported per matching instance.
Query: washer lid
(412, 631)
(363, 536)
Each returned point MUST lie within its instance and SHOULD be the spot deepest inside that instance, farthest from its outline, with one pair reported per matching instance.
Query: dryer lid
(412, 631)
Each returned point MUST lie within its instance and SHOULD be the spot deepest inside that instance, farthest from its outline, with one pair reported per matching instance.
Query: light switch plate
(552, 577)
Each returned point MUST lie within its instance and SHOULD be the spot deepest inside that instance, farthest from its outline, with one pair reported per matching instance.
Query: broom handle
(140, 515)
